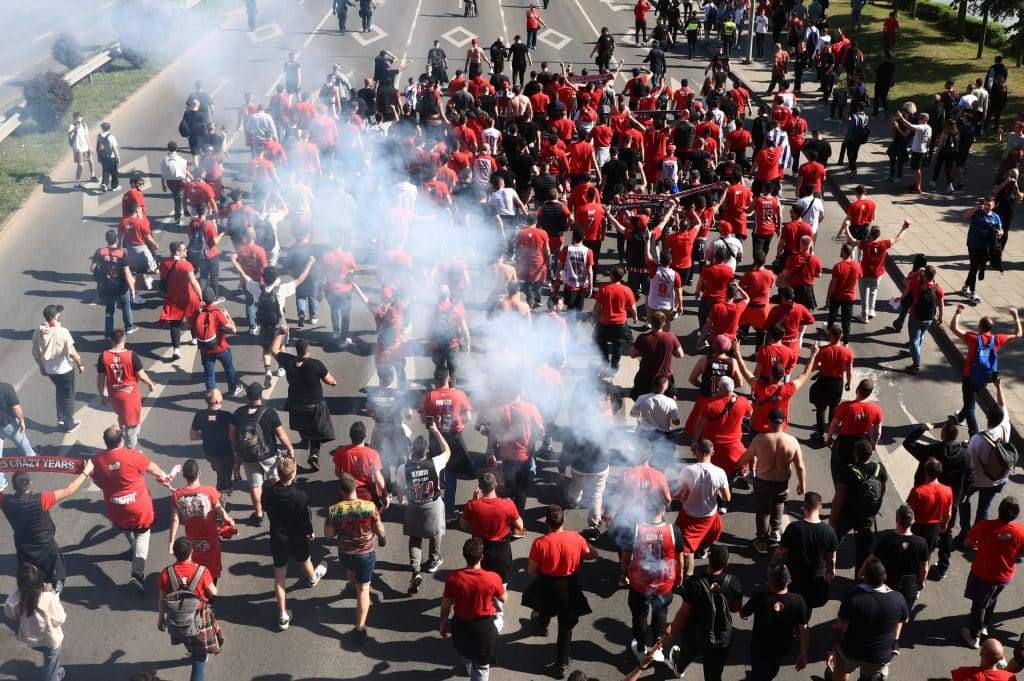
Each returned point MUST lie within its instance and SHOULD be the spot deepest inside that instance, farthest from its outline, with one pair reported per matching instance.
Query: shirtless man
(519, 104)
(474, 55)
(774, 454)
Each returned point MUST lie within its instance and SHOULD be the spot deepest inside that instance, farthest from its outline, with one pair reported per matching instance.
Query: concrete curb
(946, 342)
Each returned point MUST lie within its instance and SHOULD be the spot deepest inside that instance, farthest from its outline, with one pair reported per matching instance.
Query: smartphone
(430, 421)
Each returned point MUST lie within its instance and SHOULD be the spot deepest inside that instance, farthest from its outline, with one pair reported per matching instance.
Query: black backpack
(926, 305)
(714, 622)
(1002, 458)
(109, 272)
(197, 250)
(183, 607)
(268, 309)
(103, 147)
(866, 497)
(252, 441)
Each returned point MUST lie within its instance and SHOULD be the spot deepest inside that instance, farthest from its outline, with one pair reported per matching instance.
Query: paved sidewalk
(938, 230)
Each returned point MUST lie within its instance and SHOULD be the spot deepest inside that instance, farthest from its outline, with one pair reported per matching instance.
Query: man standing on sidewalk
(981, 366)
(53, 348)
(985, 225)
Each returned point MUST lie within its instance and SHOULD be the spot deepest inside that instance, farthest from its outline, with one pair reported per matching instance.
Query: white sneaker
(971, 640)
(659, 655)
(280, 372)
(176, 353)
(285, 620)
(949, 188)
(238, 391)
(318, 574)
(638, 652)
(254, 331)
(316, 320)
(78, 183)
(148, 280)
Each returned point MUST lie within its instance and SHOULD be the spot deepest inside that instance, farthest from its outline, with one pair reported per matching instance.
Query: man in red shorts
(702, 487)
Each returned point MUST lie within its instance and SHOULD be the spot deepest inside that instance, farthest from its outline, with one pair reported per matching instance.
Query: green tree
(996, 10)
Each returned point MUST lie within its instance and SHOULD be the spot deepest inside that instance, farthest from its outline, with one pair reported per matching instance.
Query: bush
(48, 97)
(134, 57)
(945, 18)
(67, 51)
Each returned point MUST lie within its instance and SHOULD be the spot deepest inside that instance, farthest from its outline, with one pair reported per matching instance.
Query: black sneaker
(72, 426)
(432, 565)
(591, 534)
(314, 462)
(936, 575)
(414, 584)
(256, 520)
(895, 648)
(556, 670)
(360, 637)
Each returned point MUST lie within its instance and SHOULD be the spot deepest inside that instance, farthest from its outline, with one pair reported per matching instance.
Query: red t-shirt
(725, 318)
(490, 519)
(615, 300)
(559, 554)
(590, 217)
(738, 198)
(601, 136)
(716, 281)
(792, 316)
(772, 354)
(135, 196)
(979, 674)
(768, 164)
(121, 474)
(857, 417)
(833, 359)
(845, 275)
(804, 268)
(530, 262)
(812, 173)
(359, 461)
(640, 10)
(208, 322)
(472, 592)
(738, 140)
(791, 234)
(971, 338)
(725, 427)
(581, 156)
(768, 397)
(931, 502)
(252, 259)
(133, 231)
(532, 20)
(185, 571)
(915, 291)
(999, 545)
(861, 212)
(447, 406)
(680, 248)
(637, 483)
(766, 215)
(512, 425)
(337, 266)
(872, 262)
(758, 285)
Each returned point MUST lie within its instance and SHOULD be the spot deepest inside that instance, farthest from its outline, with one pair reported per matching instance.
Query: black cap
(776, 416)
(51, 311)
(254, 392)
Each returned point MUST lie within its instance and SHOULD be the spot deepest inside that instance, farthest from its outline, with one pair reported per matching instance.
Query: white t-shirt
(669, 169)
(967, 101)
(810, 208)
(655, 412)
(491, 136)
(922, 135)
(732, 245)
(282, 291)
(761, 24)
(578, 259)
(699, 484)
(663, 287)
(79, 137)
(173, 167)
(503, 201)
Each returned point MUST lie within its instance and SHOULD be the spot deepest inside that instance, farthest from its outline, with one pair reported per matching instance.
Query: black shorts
(916, 160)
(267, 336)
(296, 549)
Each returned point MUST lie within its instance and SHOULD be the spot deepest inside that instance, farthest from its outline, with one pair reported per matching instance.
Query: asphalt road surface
(111, 629)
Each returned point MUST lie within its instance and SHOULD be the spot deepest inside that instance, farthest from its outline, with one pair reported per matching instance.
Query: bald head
(991, 652)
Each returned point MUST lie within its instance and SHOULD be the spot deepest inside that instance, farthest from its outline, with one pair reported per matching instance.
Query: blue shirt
(981, 227)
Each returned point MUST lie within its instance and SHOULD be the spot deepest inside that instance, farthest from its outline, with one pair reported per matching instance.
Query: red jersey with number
(766, 215)
(119, 370)
(861, 212)
(653, 568)
(446, 406)
(590, 218)
(195, 508)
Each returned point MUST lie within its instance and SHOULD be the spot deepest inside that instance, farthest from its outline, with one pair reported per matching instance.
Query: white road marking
(587, 17)
(107, 4)
(415, 18)
(504, 26)
(94, 205)
(265, 32)
(41, 37)
(458, 36)
(221, 82)
(376, 33)
(555, 39)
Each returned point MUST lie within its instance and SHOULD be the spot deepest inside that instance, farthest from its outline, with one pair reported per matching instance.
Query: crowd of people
(512, 202)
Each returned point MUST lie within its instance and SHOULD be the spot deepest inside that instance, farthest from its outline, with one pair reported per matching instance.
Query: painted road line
(43, 36)
(459, 36)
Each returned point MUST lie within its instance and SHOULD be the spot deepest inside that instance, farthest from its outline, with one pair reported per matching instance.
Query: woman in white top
(40, 616)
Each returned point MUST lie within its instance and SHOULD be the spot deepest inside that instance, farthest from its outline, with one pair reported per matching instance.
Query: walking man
(307, 410)
(53, 349)
(355, 522)
(12, 425)
(198, 508)
(213, 427)
(778, 615)
(419, 488)
(291, 531)
(808, 548)
(495, 521)
(118, 374)
(253, 431)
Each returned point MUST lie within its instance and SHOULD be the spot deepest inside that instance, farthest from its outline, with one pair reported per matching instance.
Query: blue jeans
(531, 38)
(970, 392)
(13, 432)
(341, 308)
(210, 360)
(307, 303)
(198, 667)
(51, 663)
(250, 309)
(917, 328)
(123, 301)
(986, 495)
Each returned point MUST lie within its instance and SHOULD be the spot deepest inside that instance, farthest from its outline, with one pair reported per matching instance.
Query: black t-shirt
(296, 261)
(288, 509)
(269, 420)
(901, 555)
(807, 545)
(543, 184)
(381, 65)
(614, 171)
(871, 618)
(386, 97)
(436, 58)
(304, 384)
(693, 594)
(368, 97)
(776, 617)
(683, 137)
(518, 52)
(605, 44)
(520, 165)
(8, 401)
(529, 131)
(213, 425)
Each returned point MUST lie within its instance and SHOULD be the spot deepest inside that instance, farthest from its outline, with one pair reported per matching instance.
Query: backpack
(183, 608)
(387, 330)
(867, 497)
(103, 147)
(109, 274)
(926, 304)
(862, 133)
(445, 331)
(268, 309)
(183, 128)
(197, 250)
(252, 441)
(1002, 458)
(714, 623)
(205, 331)
(986, 362)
